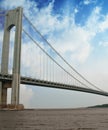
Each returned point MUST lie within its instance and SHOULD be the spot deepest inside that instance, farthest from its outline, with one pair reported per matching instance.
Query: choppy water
(62, 119)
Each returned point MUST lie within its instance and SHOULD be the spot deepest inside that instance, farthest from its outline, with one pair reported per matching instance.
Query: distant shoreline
(99, 106)
(96, 106)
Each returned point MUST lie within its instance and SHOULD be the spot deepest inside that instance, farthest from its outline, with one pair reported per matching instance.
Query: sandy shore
(55, 119)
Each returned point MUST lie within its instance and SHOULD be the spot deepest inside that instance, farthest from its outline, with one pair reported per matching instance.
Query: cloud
(87, 2)
(9, 4)
(104, 24)
(70, 35)
(76, 10)
(74, 38)
(103, 43)
(26, 95)
(98, 19)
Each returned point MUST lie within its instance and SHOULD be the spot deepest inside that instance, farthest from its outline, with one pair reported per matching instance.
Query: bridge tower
(13, 18)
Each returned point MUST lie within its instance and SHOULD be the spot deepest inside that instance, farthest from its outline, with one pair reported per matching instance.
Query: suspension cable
(60, 55)
(53, 59)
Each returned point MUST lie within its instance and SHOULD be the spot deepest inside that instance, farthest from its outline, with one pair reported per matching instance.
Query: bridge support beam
(13, 18)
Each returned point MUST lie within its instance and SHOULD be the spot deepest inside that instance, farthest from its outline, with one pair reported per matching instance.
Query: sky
(78, 30)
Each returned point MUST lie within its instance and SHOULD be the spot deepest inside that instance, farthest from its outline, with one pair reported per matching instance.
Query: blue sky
(78, 29)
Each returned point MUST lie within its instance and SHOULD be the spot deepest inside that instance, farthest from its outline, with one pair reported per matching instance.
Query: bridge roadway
(32, 81)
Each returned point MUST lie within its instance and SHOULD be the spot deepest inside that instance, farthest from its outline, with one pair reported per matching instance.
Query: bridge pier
(4, 100)
(3, 95)
(13, 18)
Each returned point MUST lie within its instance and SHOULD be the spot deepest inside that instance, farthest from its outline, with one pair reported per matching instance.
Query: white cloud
(104, 24)
(77, 41)
(26, 95)
(103, 43)
(76, 10)
(83, 53)
(87, 2)
(9, 4)
(71, 36)
(93, 22)
(97, 22)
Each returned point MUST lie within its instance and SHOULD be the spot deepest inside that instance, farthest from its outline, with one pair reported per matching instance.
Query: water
(55, 119)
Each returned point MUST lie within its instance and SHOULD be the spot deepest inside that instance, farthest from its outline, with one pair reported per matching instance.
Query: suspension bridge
(50, 69)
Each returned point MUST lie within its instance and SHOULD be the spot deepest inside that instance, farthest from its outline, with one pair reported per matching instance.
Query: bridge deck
(32, 81)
